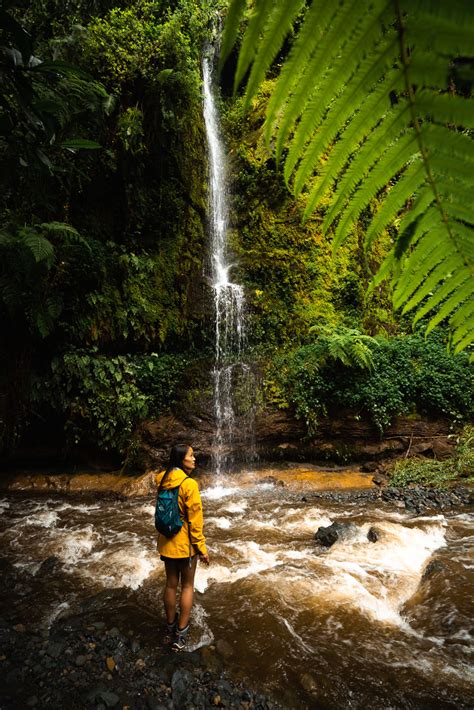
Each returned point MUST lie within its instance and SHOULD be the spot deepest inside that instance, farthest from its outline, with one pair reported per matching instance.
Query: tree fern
(346, 345)
(369, 102)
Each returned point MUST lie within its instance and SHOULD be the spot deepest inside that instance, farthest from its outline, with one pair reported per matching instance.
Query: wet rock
(80, 660)
(308, 683)
(49, 565)
(372, 535)
(181, 683)
(328, 535)
(109, 699)
(369, 466)
(432, 568)
(224, 648)
(152, 703)
(199, 698)
(380, 479)
(55, 649)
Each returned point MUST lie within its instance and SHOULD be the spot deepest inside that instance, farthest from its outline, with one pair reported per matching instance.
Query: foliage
(438, 473)
(346, 345)
(130, 130)
(33, 262)
(375, 99)
(40, 101)
(104, 249)
(292, 282)
(103, 399)
(410, 376)
(145, 41)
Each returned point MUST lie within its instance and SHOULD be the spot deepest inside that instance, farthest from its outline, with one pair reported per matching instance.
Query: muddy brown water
(360, 625)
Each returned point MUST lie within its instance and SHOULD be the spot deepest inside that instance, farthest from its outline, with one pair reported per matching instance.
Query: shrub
(102, 399)
(410, 375)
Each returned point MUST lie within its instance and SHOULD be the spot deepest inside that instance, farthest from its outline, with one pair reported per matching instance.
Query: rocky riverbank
(415, 499)
(84, 662)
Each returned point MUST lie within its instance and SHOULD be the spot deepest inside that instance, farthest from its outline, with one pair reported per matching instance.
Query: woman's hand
(204, 559)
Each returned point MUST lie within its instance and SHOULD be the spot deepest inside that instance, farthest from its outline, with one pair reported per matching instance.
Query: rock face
(280, 436)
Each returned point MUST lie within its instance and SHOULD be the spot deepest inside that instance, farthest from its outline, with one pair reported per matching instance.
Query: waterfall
(232, 377)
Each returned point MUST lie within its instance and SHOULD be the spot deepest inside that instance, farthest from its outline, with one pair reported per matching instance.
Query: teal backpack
(167, 518)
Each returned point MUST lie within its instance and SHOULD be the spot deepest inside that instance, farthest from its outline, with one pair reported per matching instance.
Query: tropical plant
(346, 345)
(374, 100)
(39, 100)
(410, 376)
(33, 260)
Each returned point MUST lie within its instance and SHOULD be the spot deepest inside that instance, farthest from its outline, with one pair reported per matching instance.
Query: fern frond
(235, 12)
(364, 159)
(450, 190)
(333, 97)
(342, 108)
(428, 69)
(376, 106)
(439, 267)
(39, 246)
(255, 28)
(276, 29)
(465, 342)
(405, 187)
(459, 211)
(444, 108)
(449, 284)
(313, 28)
(420, 207)
(334, 81)
(395, 158)
(60, 227)
(453, 303)
(446, 36)
(327, 48)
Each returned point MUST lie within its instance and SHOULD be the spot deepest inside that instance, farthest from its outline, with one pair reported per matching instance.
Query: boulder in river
(328, 535)
(373, 535)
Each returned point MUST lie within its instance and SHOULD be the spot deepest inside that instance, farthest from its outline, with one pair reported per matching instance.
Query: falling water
(233, 408)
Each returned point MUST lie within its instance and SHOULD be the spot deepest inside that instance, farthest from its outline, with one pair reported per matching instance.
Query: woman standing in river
(180, 552)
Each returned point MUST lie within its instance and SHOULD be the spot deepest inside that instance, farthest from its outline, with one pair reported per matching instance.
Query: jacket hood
(173, 479)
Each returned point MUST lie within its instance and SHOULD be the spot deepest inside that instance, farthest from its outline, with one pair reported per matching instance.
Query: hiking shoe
(170, 631)
(180, 641)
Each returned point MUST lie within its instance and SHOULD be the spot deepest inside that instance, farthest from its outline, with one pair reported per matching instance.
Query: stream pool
(385, 624)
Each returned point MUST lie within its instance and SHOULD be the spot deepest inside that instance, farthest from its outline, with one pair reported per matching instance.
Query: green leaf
(80, 144)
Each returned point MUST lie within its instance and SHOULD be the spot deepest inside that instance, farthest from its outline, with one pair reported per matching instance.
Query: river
(385, 624)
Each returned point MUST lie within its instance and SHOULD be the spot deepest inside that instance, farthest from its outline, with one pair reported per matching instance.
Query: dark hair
(177, 454)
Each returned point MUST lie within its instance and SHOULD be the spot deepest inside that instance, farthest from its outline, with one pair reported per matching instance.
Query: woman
(180, 552)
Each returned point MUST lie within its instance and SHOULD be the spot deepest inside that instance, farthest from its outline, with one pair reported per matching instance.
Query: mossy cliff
(107, 314)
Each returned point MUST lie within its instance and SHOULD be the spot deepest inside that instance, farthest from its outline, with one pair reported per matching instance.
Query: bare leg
(169, 596)
(187, 590)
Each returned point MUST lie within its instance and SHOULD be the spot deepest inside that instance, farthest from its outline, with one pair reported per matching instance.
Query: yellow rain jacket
(189, 500)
